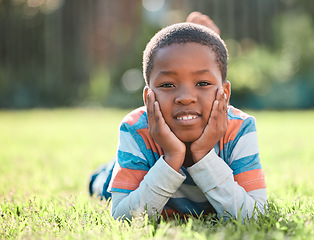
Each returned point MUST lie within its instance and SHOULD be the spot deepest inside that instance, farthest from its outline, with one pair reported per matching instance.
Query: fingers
(154, 115)
(219, 114)
(222, 99)
(150, 107)
(215, 111)
(222, 108)
(199, 18)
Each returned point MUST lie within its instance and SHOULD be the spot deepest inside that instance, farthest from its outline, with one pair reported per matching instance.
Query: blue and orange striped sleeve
(230, 175)
(243, 151)
(136, 153)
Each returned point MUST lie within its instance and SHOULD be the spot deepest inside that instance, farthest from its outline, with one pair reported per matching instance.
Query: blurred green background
(89, 53)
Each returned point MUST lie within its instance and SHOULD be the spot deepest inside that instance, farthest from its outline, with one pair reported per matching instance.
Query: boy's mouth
(186, 115)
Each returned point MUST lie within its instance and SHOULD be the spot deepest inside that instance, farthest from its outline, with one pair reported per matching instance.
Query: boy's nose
(185, 97)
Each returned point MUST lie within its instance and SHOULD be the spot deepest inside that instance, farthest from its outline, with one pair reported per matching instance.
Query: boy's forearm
(126, 206)
(230, 199)
(156, 188)
(174, 161)
(214, 177)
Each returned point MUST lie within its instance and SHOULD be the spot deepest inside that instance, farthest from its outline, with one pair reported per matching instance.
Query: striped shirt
(228, 178)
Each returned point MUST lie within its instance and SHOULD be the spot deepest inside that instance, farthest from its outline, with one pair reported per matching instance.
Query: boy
(186, 151)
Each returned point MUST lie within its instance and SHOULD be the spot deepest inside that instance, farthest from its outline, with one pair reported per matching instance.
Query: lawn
(47, 157)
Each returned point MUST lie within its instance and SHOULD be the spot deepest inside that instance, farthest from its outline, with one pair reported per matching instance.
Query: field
(47, 156)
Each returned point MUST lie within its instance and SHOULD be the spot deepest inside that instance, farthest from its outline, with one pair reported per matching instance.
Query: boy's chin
(188, 138)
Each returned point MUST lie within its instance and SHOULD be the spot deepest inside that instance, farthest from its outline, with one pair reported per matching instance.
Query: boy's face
(185, 79)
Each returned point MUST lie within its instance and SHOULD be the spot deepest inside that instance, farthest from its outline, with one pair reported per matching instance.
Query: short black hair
(181, 33)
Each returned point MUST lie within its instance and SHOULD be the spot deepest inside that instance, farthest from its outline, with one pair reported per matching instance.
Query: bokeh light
(50, 6)
(132, 80)
(153, 5)
(46, 6)
(35, 3)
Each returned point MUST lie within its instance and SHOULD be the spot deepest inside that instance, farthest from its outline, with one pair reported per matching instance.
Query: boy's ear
(145, 91)
(227, 90)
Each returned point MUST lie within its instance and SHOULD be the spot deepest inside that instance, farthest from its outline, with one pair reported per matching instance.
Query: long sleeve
(214, 177)
(141, 179)
(158, 185)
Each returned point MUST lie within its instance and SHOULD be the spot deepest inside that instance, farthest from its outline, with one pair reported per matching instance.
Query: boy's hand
(216, 127)
(174, 149)
(199, 18)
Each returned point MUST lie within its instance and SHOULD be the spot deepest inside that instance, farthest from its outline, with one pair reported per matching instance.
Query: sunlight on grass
(47, 157)
(286, 146)
(49, 151)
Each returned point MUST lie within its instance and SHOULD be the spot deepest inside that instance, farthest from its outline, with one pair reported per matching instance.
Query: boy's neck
(188, 160)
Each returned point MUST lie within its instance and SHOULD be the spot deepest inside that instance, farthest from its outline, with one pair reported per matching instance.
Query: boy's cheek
(162, 100)
(210, 99)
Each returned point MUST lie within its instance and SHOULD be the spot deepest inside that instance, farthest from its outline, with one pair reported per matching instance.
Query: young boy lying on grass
(186, 151)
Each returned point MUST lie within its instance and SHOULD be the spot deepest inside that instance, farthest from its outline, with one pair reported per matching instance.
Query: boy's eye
(203, 84)
(166, 85)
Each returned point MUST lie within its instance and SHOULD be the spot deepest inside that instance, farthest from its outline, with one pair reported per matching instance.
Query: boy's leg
(100, 180)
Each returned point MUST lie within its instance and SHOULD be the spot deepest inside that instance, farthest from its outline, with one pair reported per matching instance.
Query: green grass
(46, 157)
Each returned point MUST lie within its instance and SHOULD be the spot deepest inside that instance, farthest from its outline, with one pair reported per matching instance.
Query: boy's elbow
(260, 198)
(254, 212)
(118, 209)
(118, 216)
(114, 214)
(258, 209)
(261, 207)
